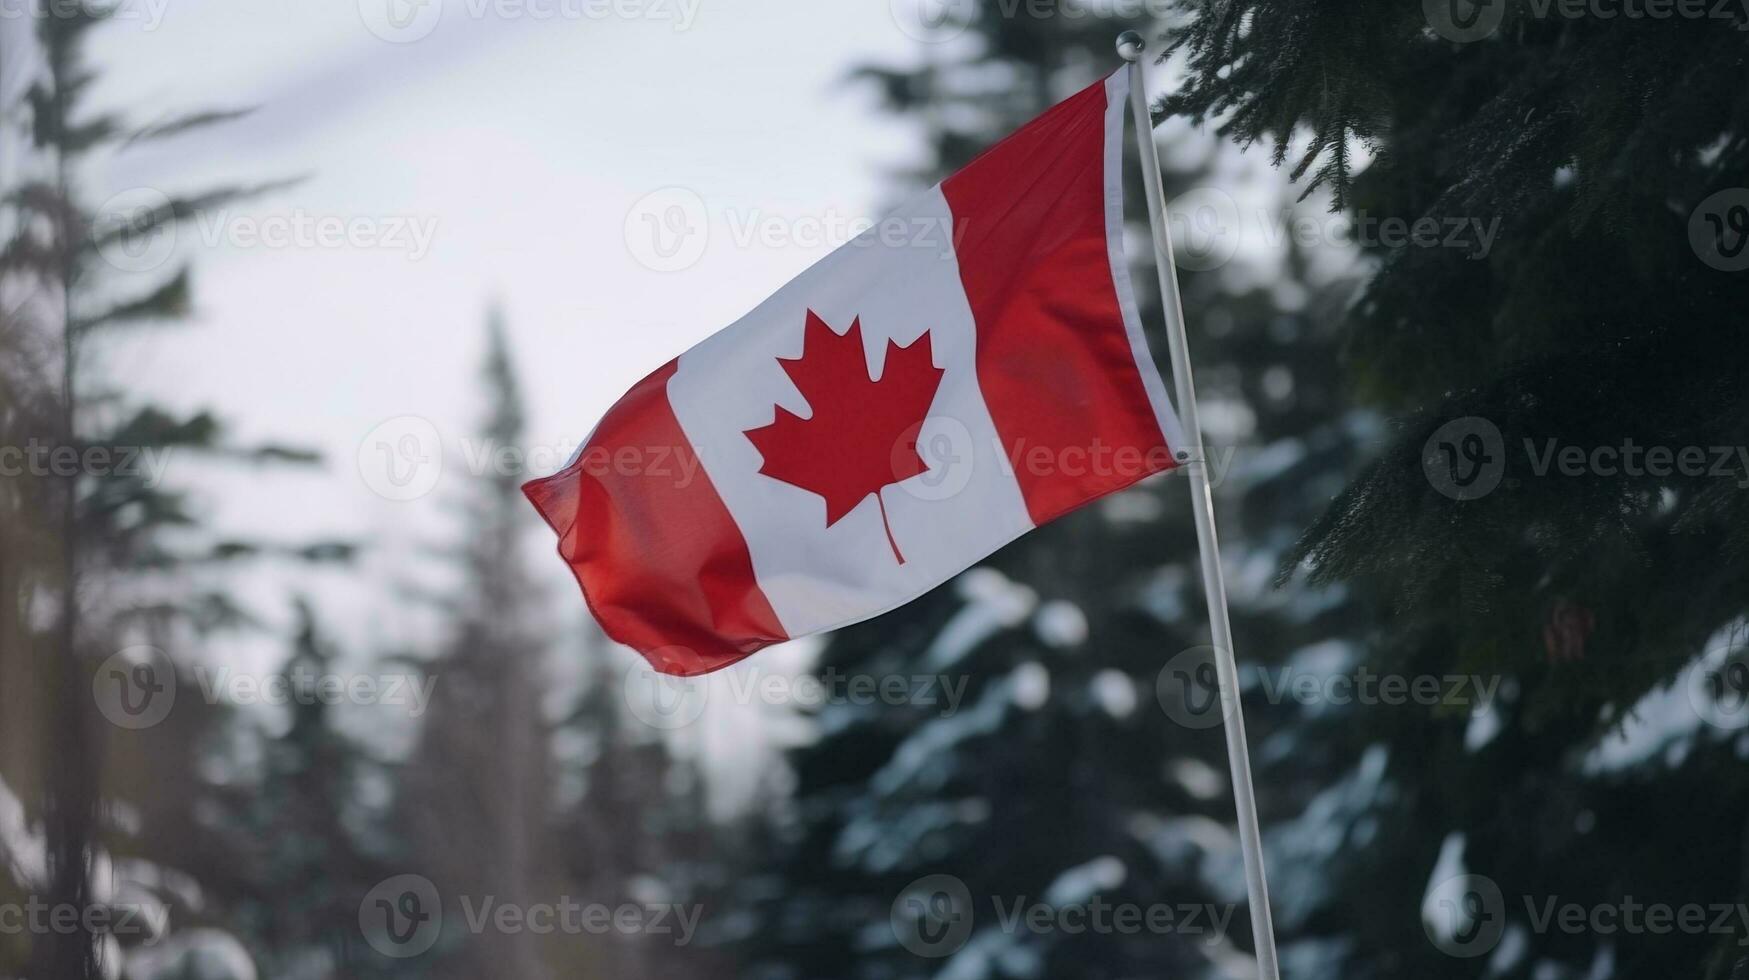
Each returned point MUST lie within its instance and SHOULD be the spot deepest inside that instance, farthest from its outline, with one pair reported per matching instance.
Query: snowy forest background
(480, 748)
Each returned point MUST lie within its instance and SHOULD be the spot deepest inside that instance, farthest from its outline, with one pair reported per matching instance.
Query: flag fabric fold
(963, 372)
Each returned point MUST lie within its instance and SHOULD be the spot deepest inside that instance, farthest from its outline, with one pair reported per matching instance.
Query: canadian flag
(963, 372)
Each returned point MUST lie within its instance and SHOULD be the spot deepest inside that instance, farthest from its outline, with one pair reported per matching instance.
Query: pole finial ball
(1130, 45)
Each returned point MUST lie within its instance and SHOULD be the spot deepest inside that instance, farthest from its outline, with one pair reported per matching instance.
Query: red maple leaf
(861, 434)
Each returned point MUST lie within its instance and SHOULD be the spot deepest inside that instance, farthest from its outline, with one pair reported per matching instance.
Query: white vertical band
(1117, 90)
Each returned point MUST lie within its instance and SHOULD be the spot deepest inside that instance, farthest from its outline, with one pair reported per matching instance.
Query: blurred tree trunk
(71, 768)
(477, 785)
(76, 539)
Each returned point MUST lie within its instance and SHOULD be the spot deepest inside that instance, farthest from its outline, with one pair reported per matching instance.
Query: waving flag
(901, 410)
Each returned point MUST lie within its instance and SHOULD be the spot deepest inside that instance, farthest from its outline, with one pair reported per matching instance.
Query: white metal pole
(1129, 46)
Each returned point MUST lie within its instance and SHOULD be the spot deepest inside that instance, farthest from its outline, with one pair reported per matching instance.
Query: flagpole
(1129, 47)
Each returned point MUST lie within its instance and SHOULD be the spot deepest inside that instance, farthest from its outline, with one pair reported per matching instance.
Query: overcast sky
(489, 158)
(500, 152)
(623, 176)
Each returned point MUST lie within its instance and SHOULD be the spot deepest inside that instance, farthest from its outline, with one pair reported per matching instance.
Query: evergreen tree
(26, 547)
(639, 831)
(1609, 596)
(619, 831)
(498, 802)
(294, 894)
(1073, 771)
(481, 769)
(91, 572)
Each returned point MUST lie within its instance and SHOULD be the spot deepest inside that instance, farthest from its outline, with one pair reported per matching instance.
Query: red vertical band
(661, 562)
(1054, 361)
